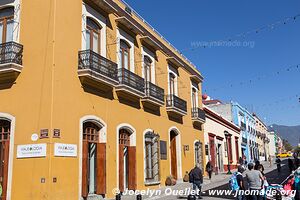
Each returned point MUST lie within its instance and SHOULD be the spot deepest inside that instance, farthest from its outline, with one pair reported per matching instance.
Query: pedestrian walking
(255, 181)
(241, 161)
(278, 162)
(258, 165)
(209, 169)
(240, 182)
(291, 165)
(270, 160)
(296, 161)
(196, 178)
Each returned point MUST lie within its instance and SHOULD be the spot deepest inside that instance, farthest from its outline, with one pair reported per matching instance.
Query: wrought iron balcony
(130, 83)
(176, 105)
(244, 140)
(198, 115)
(243, 126)
(10, 60)
(94, 68)
(154, 94)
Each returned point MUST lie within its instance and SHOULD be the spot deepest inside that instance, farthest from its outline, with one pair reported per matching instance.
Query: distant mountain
(290, 133)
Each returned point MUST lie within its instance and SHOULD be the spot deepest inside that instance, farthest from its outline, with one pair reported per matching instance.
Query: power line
(257, 78)
(268, 27)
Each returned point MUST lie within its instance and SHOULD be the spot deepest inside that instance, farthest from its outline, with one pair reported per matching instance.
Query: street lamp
(227, 135)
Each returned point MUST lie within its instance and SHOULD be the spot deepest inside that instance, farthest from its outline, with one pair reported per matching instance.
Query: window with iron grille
(152, 157)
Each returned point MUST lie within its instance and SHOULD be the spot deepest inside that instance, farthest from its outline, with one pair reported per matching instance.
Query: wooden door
(4, 155)
(173, 155)
(101, 169)
(132, 168)
(124, 143)
(121, 167)
(212, 148)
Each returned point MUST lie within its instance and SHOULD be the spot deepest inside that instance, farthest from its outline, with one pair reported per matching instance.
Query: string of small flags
(272, 26)
(258, 78)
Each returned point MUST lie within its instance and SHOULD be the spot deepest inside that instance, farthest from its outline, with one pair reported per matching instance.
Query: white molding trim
(12, 119)
(100, 122)
(175, 81)
(144, 153)
(122, 35)
(17, 9)
(87, 11)
(178, 151)
(151, 55)
(132, 143)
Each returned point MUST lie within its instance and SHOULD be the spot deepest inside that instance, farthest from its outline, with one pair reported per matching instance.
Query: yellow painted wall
(48, 94)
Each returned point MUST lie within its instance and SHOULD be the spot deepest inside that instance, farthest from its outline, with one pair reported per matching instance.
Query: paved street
(218, 182)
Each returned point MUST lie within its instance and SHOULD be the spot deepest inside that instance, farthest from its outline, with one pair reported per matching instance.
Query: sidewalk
(216, 181)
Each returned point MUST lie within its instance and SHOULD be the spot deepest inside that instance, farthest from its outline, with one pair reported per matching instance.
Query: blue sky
(273, 96)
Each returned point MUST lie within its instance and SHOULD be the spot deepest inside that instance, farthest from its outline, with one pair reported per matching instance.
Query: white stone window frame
(194, 86)
(122, 35)
(151, 55)
(87, 11)
(16, 4)
(172, 70)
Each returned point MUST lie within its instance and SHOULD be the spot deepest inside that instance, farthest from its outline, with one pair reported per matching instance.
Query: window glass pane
(120, 58)
(95, 42)
(88, 40)
(1, 32)
(126, 60)
(9, 31)
(6, 12)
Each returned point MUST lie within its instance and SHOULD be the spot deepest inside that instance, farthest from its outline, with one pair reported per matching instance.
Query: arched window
(194, 98)
(6, 24)
(152, 157)
(147, 68)
(172, 83)
(93, 160)
(124, 54)
(93, 35)
(4, 154)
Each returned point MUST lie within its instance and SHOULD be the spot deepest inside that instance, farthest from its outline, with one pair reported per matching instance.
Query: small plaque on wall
(186, 147)
(44, 133)
(56, 133)
(163, 150)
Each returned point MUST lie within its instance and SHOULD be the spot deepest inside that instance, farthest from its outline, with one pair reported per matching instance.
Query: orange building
(92, 98)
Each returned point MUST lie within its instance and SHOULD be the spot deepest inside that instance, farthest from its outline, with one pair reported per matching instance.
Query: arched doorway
(5, 128)
(175, 153)
(127, 161)
(93, 160)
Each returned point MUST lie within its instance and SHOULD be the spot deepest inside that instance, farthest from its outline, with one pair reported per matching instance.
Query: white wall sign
(31, 150)
(65, 150)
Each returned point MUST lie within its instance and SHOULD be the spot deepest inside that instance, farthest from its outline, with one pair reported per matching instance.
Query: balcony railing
(198, 114)
(243, 126)
(155, 93)
(100, 67)
(175, 103)
(131, 81)
(11, 52)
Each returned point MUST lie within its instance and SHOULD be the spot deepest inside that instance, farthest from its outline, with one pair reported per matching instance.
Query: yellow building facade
(262, 139)
(92, 98)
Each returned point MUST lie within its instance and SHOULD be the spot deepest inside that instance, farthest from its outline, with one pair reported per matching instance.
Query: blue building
(242, 118)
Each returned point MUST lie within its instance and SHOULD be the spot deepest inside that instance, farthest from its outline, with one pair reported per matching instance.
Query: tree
(297, 150)
(287, 145)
